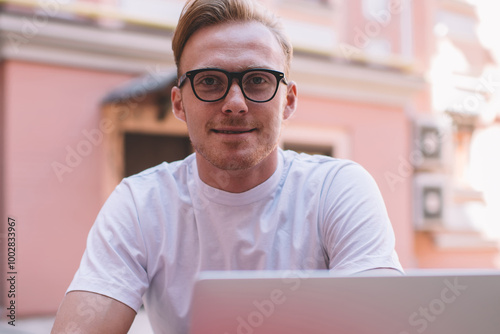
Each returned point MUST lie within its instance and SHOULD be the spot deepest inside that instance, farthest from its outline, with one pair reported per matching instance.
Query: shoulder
(301, 163)
(163, 173)
(142, 197)
(327, 175)
(155, 183)
(175, 168)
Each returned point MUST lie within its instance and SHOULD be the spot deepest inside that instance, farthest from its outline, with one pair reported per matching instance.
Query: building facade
(403, 87)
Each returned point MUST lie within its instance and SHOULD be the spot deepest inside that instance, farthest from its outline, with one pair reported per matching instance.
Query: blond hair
(198, 14)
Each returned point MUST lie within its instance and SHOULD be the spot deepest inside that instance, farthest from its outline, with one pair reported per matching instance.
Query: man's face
(233, 133)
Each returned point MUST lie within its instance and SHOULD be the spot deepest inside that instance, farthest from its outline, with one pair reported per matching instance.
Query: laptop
(319, 302)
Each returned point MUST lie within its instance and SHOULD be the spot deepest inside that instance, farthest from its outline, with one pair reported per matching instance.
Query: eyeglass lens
(212, 85)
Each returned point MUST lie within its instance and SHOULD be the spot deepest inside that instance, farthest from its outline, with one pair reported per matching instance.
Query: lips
(232, 131)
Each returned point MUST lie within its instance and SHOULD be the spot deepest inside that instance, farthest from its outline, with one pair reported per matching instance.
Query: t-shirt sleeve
(114, 262)
(357, 230)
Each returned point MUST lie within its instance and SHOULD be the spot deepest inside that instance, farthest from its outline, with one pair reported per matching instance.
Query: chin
(236, 161)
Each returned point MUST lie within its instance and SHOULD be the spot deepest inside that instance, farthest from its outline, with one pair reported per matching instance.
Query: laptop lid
(316, 302)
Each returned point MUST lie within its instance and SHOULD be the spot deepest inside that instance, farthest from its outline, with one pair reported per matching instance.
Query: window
(372, 7)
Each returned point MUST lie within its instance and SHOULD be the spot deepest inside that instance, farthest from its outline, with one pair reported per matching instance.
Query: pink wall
(3, 246)
(380, 138)
(361, 31)
(423, 33)
(430, 256)
(47, 110)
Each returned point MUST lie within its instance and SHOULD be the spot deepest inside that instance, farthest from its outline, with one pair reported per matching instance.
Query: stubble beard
(224, 160)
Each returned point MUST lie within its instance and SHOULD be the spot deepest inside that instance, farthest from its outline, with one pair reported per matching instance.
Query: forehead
(233, 46)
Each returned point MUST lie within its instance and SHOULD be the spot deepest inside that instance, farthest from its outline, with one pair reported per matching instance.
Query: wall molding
(82, 45)
(90, 46)
(337, 80)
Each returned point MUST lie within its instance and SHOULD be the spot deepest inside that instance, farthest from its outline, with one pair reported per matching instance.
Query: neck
(237, 181)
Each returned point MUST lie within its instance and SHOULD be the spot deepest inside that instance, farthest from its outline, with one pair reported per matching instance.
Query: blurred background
(409, 89)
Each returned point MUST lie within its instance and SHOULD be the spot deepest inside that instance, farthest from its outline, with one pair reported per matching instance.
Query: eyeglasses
(213, 84)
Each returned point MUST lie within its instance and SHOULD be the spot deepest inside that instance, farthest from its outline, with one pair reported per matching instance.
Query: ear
(177, 105)
(291, 100)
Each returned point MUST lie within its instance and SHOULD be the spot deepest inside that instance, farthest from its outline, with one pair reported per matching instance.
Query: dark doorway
(145, 150)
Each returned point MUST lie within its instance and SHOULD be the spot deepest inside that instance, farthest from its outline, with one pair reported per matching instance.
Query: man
(237, 203)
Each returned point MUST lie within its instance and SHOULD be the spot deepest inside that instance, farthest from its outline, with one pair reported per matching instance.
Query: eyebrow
(239, 69)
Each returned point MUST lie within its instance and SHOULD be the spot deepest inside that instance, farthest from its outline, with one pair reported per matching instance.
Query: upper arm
(92, 313)
(357, 230)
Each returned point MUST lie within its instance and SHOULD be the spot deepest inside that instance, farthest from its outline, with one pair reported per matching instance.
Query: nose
(235, 102)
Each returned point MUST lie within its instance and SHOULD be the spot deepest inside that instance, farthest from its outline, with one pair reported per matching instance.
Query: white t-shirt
(161, 227)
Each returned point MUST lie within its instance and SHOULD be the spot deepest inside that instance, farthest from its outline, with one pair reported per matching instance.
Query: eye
(256, 79)
(207, 81)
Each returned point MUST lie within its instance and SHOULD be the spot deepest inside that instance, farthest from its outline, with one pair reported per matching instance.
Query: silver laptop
(430, 302)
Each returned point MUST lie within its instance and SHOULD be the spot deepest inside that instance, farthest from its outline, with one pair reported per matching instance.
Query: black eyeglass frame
(280, 77)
